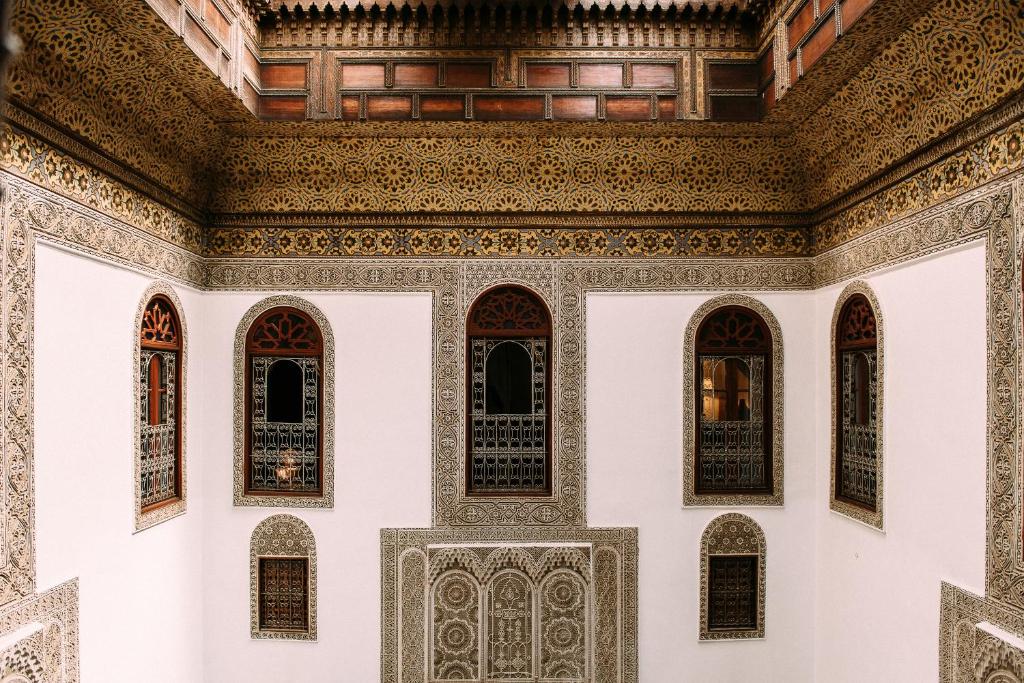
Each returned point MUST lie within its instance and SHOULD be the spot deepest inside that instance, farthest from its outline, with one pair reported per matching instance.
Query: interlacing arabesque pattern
(308, 174)
(48, 654)
(969, 654)
(954, 62)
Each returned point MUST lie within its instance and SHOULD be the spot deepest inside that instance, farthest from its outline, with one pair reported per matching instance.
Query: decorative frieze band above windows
(160, 364)
(284, 406)
(732, 579)
(733, 404)
(282, 580)
(857, 371)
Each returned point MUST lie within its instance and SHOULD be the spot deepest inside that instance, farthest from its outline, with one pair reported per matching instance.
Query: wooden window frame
(474, 331)
(251, 351)
(767, 412)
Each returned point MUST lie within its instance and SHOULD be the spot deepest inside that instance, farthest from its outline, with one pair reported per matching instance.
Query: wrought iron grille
(283, 594)
(508, 451)
(158, 438)
(732, 592)
(284, 456)
(858, 478)
(732, 454)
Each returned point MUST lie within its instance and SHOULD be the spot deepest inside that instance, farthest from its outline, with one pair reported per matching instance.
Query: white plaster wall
(634, 455)
(141, 603)
(382, 479)
(878, 594)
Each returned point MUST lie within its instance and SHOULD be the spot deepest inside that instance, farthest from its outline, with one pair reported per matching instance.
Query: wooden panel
(575, 107)
(547, 75)
(508, 108)
(793, 72)
(169, 11)
(666, 108)
(350, 108)
(766, 65)
(465, 75)
(815, 47)
(738, 76)
(736, 108)
(627, 108)
(200, 43)
(600, 75)
(768, 97)
(442, 107)
(824, 6)
(389, 107)
(283, 108)
(290, 76)
(250, 98)
(217, 22)
(362, 75)
(194, 4)
(250, 64)
(661, 76)
(854, 10)
(419, 75)
(803, 20)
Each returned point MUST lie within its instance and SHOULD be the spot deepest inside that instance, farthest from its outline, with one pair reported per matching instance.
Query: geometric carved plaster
(412, 560)
(872, 518)
(732, 534)
(777, 399)
(46, 628)
(282, 536)
(241, 498)
(144, 520)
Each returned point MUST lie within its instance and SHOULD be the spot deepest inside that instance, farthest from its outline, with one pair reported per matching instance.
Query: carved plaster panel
(40, 634)
(778, 386)
(240, 497)
(443, 589)
(874, 517)
(280, 536)
(732, 534)
(144, 520)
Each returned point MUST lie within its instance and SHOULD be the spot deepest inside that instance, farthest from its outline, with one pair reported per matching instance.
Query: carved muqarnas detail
(997, 662)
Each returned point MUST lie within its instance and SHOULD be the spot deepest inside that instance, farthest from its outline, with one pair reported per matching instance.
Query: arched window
(159, 435)
(509, 394)
(732, 579)
(282, 576)
(856, 362)
(285, 379)
(733, 450)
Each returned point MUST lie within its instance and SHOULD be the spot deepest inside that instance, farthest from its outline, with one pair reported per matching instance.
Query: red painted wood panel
(627, 108)
(467, 75)
(661, 76)
(362, 75)
(508, 108)
(854, 10)
(350, 108)
(821, 40)
(419, 75)
(736, 108)
(442, 107)
(601, 75)
(738, 76)
(547, 75)
(290, 76)
(766, 65)
(574, 107)
(283, 108)
(218, 23)
(389, 107)
(803, 20)
(666, 108)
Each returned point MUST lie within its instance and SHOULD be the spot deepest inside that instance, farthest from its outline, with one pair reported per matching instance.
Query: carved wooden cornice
(328, 6)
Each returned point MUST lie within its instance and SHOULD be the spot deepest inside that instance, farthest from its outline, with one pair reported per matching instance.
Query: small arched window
(284, 355)
(856, 480)
(732, 579)
(509, 394)
(282, 580)
(159, 408)
(733, 404)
